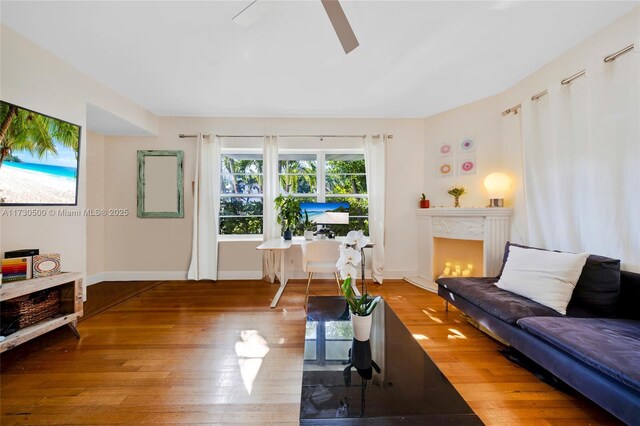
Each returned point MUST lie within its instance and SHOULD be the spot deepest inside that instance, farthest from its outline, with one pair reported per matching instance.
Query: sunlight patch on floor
(420, 337)
(456, 334)
(434, 319)
(250, 352)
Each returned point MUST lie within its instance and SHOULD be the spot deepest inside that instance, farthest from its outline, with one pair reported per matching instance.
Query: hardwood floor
(177, 354)
(106, 294)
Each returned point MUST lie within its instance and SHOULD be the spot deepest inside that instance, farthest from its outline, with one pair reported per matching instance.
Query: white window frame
(243, 237)
(321, 193)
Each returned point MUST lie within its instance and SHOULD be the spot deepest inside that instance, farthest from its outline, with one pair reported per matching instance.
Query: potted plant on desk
(361, 308)
(288, 214)
(308, 227)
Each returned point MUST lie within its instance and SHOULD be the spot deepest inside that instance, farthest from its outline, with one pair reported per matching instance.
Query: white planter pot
(308, 235)
(361, 327)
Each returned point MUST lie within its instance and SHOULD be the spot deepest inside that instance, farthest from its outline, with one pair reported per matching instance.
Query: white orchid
(349, 255)
(350, 258)
(348, 271)
(347, 262)
(356, 239)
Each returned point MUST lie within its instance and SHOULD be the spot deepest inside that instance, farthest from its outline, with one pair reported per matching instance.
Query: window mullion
(321, 177)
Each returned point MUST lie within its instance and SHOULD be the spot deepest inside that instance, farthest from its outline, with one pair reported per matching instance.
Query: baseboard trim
(166, 276)
(137, 276)
(239, 275)
(222, 275)
(423, 283)
(397, 274)
(95, 279)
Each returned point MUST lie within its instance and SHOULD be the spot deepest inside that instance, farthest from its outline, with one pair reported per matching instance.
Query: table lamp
(497, 185)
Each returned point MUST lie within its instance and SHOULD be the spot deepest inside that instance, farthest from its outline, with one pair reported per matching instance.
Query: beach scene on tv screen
(320, 213)
(38, 158)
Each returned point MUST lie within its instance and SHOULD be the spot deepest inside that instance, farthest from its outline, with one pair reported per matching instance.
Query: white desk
(283, 246)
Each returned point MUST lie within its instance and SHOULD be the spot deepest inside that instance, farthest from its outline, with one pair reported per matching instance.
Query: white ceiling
(415, 58)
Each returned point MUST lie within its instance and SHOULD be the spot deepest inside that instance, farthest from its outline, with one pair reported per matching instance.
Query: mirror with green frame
(160, 184)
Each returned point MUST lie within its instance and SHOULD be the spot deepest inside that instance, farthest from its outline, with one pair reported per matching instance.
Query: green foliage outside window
(345, 176)
(241, 187)
(298, 176)
(242, 179)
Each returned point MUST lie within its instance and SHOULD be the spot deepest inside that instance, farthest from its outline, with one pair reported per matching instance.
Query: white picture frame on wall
(467, 165)
(446, 149)
(446, 168)
(467, 145)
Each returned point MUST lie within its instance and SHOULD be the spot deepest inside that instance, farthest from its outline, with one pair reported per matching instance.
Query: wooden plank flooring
(184, 352)
(106, 294)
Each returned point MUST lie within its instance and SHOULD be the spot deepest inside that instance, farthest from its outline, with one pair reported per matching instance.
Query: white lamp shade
(497, 185)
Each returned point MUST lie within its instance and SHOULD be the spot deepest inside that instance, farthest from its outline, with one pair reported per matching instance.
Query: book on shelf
(17, 268)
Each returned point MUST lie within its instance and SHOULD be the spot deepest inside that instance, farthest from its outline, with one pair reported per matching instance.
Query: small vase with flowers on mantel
(456, 191)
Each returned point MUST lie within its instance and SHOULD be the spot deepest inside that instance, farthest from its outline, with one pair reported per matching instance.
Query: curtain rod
(183, 136)
(610, 58)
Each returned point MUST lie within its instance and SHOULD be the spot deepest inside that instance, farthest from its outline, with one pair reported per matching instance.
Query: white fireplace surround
(489, 225)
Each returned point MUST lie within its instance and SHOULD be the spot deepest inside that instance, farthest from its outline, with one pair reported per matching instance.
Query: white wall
(33, 78)
(136, 246)
(477, 120)
(95, 149)
(499, 138)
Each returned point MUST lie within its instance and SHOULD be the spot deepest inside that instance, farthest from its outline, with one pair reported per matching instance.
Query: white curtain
(581, 163)
(206, 208)
(270, 258)
(374, 160)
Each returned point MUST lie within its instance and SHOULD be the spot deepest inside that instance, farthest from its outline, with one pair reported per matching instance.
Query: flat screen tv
(326, 213)
(39, 158)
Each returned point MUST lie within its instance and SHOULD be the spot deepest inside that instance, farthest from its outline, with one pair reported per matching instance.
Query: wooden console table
(70, 284)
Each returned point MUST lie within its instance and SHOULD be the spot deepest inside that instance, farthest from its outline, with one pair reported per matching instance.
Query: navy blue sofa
(595, 348)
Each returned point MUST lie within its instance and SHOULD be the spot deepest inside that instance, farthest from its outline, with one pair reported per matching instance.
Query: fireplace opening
(454, 257)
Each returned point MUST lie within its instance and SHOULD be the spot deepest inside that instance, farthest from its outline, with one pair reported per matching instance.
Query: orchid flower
(348, 271)
(356, 239)
(349, 255)
(350, 258)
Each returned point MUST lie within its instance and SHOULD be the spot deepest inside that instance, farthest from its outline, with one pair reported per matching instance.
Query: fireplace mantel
(489, 225)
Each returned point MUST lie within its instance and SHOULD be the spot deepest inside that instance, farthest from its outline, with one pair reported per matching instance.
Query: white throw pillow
(546, 277)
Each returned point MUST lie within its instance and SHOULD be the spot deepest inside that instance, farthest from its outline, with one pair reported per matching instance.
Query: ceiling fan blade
(251, 14)
(341, 25)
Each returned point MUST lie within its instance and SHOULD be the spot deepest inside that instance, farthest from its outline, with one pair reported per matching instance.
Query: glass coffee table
(387, 380)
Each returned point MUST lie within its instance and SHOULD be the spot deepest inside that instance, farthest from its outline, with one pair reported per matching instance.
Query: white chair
(320, 256)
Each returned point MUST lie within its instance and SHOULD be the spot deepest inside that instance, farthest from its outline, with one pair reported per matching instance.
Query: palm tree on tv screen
(24, 130)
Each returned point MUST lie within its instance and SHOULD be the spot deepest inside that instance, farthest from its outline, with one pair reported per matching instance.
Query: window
(298, 175)
(241, 193)
(327, 342)
(327, 177)
(346, 180)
